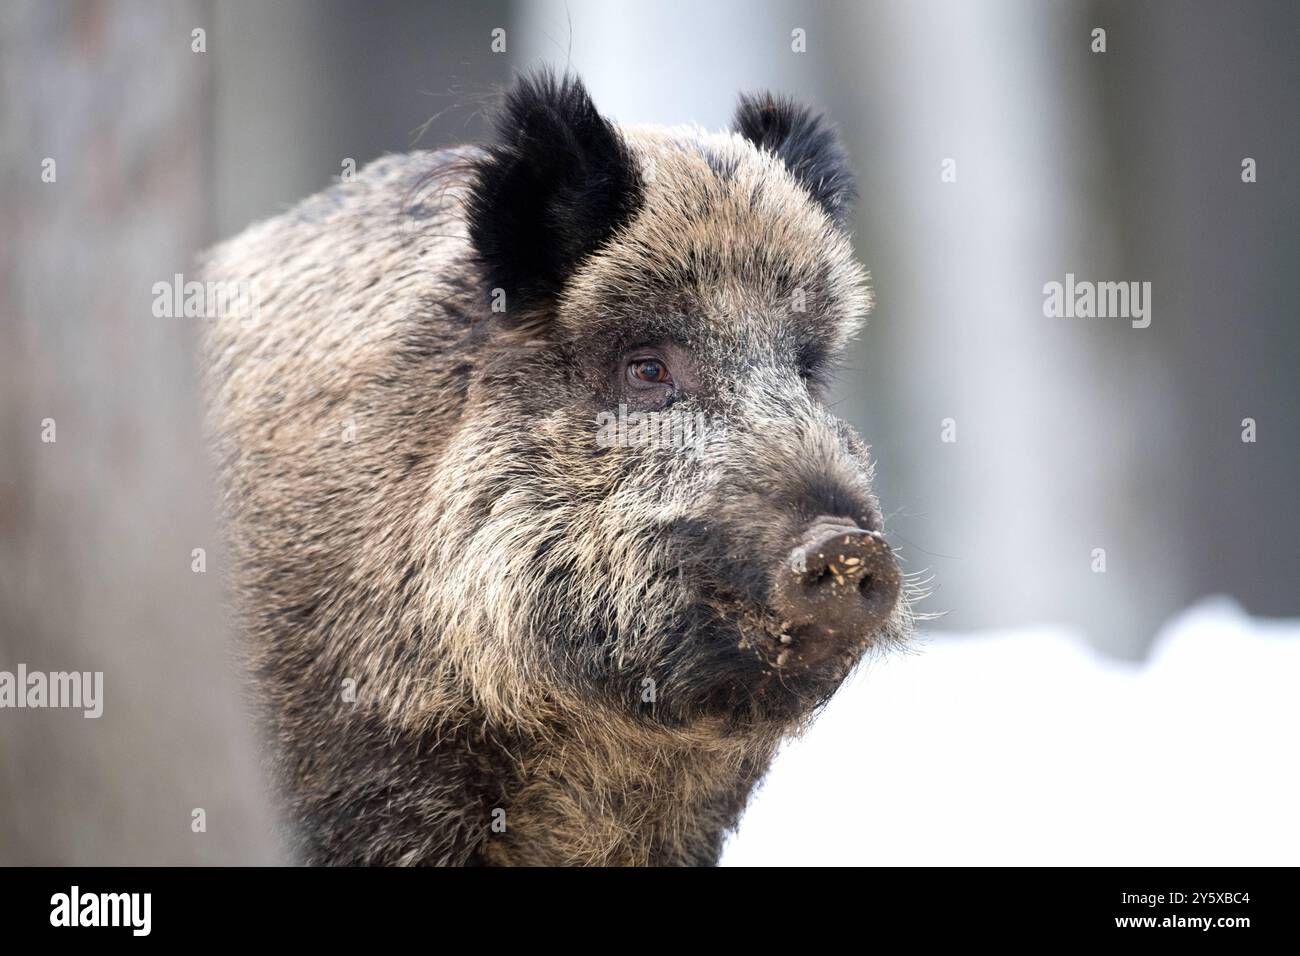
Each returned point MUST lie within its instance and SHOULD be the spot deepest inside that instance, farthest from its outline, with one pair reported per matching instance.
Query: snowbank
(1025, 747)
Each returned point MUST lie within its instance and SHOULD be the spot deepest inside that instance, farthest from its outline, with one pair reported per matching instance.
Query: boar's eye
(643, 372)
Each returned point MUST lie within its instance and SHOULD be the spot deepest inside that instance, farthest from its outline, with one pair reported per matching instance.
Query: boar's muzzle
(838, 585)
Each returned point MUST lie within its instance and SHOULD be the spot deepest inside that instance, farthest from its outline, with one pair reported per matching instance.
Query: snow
(1025, 747)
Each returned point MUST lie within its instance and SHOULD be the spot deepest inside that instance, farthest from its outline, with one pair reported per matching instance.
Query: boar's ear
(557, 184)
(806, 143)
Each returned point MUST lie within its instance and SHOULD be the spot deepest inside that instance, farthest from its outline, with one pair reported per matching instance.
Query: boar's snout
(837, 585)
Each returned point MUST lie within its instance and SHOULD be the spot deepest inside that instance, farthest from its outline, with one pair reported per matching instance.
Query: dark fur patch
(559, 183)
(806, 143)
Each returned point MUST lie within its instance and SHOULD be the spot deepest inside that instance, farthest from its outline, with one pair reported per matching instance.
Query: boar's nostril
(838, 584)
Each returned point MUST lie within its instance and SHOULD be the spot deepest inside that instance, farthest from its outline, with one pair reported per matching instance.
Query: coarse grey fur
(477, 634)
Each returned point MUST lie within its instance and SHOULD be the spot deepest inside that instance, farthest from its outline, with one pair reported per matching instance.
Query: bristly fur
(476, 634)
(806, 144)
(558, 183)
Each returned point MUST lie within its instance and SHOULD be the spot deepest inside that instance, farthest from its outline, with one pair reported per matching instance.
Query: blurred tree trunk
(98, 528)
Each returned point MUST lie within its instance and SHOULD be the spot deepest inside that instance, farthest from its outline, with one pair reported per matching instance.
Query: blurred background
(997, 151)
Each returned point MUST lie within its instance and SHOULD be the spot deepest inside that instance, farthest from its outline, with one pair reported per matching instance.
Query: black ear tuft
(806, 143)
(558, 183)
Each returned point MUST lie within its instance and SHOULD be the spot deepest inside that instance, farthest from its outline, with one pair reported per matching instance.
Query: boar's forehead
(726, 249)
